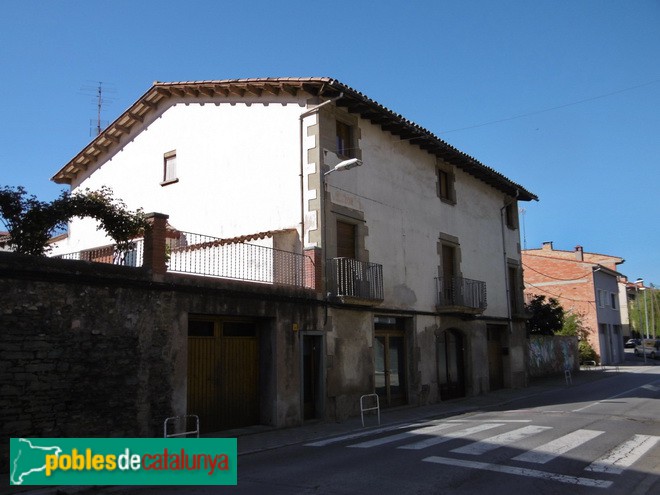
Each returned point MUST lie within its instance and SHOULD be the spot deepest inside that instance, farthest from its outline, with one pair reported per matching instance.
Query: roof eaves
(356, 102)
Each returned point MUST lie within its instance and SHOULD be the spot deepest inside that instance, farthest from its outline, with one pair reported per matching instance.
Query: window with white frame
(600, 298)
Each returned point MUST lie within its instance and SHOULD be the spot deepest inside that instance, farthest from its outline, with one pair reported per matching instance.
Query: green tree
(546, 318)
(574, 326)
(31, 222)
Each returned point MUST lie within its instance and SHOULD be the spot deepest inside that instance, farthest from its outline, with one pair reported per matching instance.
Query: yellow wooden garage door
(223, 372)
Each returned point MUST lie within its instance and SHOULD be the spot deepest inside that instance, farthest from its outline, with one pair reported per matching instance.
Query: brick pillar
(313, 267)
(155, 258)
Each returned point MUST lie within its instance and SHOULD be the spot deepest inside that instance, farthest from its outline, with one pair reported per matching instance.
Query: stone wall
(96, 350)
(551, 355)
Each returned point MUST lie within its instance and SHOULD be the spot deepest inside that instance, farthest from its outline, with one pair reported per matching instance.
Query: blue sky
(561, 96)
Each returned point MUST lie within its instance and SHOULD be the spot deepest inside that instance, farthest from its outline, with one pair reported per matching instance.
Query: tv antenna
(99, 98)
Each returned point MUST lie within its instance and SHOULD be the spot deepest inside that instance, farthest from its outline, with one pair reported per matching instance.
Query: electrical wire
(554, 278)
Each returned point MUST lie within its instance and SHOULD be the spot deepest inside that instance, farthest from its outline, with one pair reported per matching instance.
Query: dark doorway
(311, 375)
(495, 356)
(451, 364)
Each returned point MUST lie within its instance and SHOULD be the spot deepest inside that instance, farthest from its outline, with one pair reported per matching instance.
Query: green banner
(123, 461)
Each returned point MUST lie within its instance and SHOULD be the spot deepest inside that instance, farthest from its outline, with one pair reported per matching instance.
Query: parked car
(632, 343)
(649, 347)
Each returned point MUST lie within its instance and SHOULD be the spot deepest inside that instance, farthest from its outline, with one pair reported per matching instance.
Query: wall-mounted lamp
(345, 165)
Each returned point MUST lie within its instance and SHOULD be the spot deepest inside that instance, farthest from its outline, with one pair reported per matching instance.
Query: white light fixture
(345, 165)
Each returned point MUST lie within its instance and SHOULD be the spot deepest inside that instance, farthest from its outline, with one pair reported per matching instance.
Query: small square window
(345, 140)
(169, 168)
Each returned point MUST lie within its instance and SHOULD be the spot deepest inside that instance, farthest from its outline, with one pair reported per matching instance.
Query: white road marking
(548, 451)
(482, 420)
(402, 436)
(613, 397)
(492, 443)
(450, 436)
(360, 434)
(532, 473)
(624, 455)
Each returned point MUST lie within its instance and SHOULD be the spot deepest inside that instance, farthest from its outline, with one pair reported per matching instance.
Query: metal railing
(110, 254)
(463, 292)
(347, 277)
(212, 256)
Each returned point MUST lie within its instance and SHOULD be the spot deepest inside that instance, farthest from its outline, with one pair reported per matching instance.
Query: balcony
(355, 282)
(461, 295)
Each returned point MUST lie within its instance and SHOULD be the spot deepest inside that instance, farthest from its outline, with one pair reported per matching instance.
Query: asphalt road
(598, 438)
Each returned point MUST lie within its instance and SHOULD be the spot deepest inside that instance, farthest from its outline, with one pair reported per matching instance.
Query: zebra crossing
(506, 433)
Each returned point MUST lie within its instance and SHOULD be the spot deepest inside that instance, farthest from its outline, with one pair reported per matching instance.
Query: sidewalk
(262, 438)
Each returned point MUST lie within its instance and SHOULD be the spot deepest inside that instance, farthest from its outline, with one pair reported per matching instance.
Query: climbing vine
(31, 222)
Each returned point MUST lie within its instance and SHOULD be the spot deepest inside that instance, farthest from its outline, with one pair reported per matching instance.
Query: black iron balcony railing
(356, 280)
(462, 294)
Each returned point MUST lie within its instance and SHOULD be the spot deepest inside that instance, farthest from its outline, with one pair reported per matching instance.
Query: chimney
(547, 245)
(579, 253)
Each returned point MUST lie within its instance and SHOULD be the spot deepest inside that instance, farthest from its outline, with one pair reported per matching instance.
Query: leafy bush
(587, 353)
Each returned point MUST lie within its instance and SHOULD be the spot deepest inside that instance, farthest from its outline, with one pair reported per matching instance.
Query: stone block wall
(97, 350)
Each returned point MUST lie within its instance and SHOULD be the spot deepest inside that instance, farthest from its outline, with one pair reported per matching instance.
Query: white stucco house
(414, 245)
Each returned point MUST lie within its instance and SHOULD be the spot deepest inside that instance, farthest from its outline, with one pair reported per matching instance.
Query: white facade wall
(237, 165)
(396, 190)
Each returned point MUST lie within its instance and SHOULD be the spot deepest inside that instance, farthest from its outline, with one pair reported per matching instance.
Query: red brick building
(583, 283)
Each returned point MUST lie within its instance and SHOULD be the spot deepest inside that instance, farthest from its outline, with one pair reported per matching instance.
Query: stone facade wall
(96, 350)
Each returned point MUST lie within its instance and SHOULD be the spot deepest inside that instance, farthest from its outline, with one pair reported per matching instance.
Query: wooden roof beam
(255, 90)
(136, 117)
(235, 90)
(207, 91)
(191, 91)
(164, 91)
(287, 88)
(122, 128)
(221, 90)
(272, 89)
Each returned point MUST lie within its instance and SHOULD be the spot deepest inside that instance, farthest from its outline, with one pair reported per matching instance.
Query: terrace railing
(212, 256)
(110, 254)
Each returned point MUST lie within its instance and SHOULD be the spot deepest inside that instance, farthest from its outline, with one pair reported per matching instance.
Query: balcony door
(345, 240)
(448, 273)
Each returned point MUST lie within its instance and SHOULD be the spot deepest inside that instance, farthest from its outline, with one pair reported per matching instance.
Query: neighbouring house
(409, 248)
(584, 283)
(4, 238)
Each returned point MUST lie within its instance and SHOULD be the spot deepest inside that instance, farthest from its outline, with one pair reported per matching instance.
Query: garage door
(223, 372)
